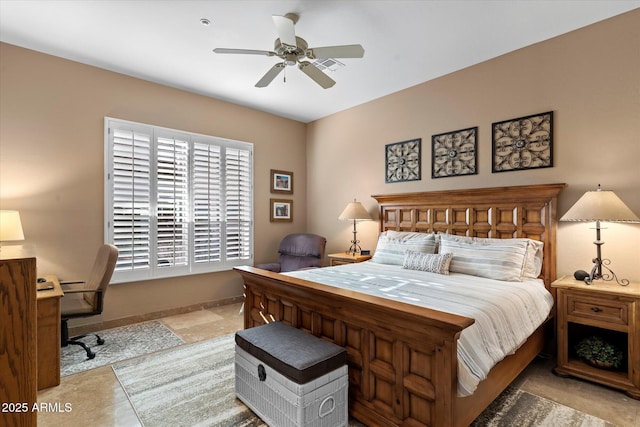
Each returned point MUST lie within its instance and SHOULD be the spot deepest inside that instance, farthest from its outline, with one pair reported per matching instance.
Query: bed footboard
(402, 358)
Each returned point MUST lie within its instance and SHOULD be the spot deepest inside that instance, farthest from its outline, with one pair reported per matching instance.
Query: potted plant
(599, 353)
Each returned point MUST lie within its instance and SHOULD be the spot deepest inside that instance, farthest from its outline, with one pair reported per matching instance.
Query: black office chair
(84, 299)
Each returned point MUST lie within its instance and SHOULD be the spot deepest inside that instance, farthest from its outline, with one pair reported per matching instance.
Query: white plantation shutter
(172, 202)
(207, 203)
(238, 208)
(176, 203)
(131, 197)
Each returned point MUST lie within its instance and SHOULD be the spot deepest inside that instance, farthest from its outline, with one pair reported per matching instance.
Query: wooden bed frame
(403, 358)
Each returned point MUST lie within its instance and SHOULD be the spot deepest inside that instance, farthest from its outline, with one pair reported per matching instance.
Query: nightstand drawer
(600, 309)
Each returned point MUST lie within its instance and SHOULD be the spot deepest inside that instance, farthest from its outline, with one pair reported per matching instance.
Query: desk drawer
(600, 309)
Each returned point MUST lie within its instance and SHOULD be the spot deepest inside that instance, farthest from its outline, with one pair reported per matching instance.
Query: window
(176, 203)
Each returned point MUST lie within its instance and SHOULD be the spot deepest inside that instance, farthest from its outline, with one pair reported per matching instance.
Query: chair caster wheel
(100, 341)
(91, 355)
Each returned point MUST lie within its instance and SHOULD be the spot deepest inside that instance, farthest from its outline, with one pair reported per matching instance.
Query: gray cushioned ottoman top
(299, 356)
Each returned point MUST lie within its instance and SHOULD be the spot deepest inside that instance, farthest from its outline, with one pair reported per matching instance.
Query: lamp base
(354, 249)
(599, 263)
(597, 274)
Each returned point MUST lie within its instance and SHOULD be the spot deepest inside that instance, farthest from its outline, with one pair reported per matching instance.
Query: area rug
(120, 344)
(193, 385)
(516, 407)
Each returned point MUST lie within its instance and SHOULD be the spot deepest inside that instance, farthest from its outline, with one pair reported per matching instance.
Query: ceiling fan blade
(345, 51)
(286, 29)
(316, 75)
(244, 51)
(270, 75)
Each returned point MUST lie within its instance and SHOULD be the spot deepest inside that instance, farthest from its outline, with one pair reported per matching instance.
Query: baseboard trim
(108, 324)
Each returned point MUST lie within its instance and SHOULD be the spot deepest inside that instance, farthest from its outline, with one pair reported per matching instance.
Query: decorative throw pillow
(499, 259)
(433, 263)
(393, 244)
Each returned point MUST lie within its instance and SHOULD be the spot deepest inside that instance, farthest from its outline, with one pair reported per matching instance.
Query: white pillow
(499, 259)
(433, 263)
(393, 244)
(533, 261)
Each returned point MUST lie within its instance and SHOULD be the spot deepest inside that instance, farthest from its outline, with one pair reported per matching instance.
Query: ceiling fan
(294, 50)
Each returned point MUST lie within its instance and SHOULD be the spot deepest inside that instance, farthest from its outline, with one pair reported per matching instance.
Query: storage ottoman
(291, 378)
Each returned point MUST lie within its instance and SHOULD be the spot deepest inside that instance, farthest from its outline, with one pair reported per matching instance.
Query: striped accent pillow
(433, 263)
(499, 259)
(393, 244)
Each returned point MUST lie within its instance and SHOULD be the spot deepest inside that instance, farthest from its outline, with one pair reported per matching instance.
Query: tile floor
(97, 399)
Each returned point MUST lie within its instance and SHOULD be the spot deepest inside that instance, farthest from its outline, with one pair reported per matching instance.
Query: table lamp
(600, 205)
(10, 226)
(356, 212)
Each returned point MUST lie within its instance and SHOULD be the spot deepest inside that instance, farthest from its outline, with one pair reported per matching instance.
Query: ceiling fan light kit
(294, 50)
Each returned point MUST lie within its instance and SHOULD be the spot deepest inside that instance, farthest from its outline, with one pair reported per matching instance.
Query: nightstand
(345, 258)
(604, 309)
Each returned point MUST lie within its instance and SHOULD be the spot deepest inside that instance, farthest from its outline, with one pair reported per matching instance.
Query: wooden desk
(17, 337)
(48, 334)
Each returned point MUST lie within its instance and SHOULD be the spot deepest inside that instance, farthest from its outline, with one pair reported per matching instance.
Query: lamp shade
(10, 226)
(355, 211)
(600, 205)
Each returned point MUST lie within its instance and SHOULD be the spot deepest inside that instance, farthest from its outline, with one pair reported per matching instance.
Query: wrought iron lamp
(356, 212)
(601, 205)
(10, 226)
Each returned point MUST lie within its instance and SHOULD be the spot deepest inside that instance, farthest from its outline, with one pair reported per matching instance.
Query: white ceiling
(405, 42)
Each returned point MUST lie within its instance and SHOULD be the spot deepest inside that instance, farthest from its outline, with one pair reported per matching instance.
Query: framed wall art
(523, 143)
(454, 153)
(281, 182)
(402, 161)
(281, 210)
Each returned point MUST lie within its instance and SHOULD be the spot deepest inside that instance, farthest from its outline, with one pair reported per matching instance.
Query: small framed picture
(281, 210)
(281, 182)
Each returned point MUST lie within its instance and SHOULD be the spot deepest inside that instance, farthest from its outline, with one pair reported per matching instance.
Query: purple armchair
(298, 251)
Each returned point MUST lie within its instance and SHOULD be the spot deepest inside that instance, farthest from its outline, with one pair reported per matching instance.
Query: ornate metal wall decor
(523, 143)
(403, 161)
(454, 153)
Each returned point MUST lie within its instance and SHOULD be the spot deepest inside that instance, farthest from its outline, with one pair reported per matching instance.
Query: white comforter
(505, 313)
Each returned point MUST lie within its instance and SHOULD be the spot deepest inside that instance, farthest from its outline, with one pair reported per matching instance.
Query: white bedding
(505, 313)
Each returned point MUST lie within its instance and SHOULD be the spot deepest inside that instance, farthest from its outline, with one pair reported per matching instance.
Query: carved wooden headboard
(500, 212)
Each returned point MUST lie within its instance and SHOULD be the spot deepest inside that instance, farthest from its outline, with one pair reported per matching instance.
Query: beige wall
(51, 167)
(590, 78)
(51, 150)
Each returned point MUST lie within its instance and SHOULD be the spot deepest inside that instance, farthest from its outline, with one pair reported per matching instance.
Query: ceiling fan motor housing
(291, 54)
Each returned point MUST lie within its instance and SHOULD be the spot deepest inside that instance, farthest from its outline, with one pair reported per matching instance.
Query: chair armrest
(82, 291)
(272, 266)
(70, 282)
(98, 292)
